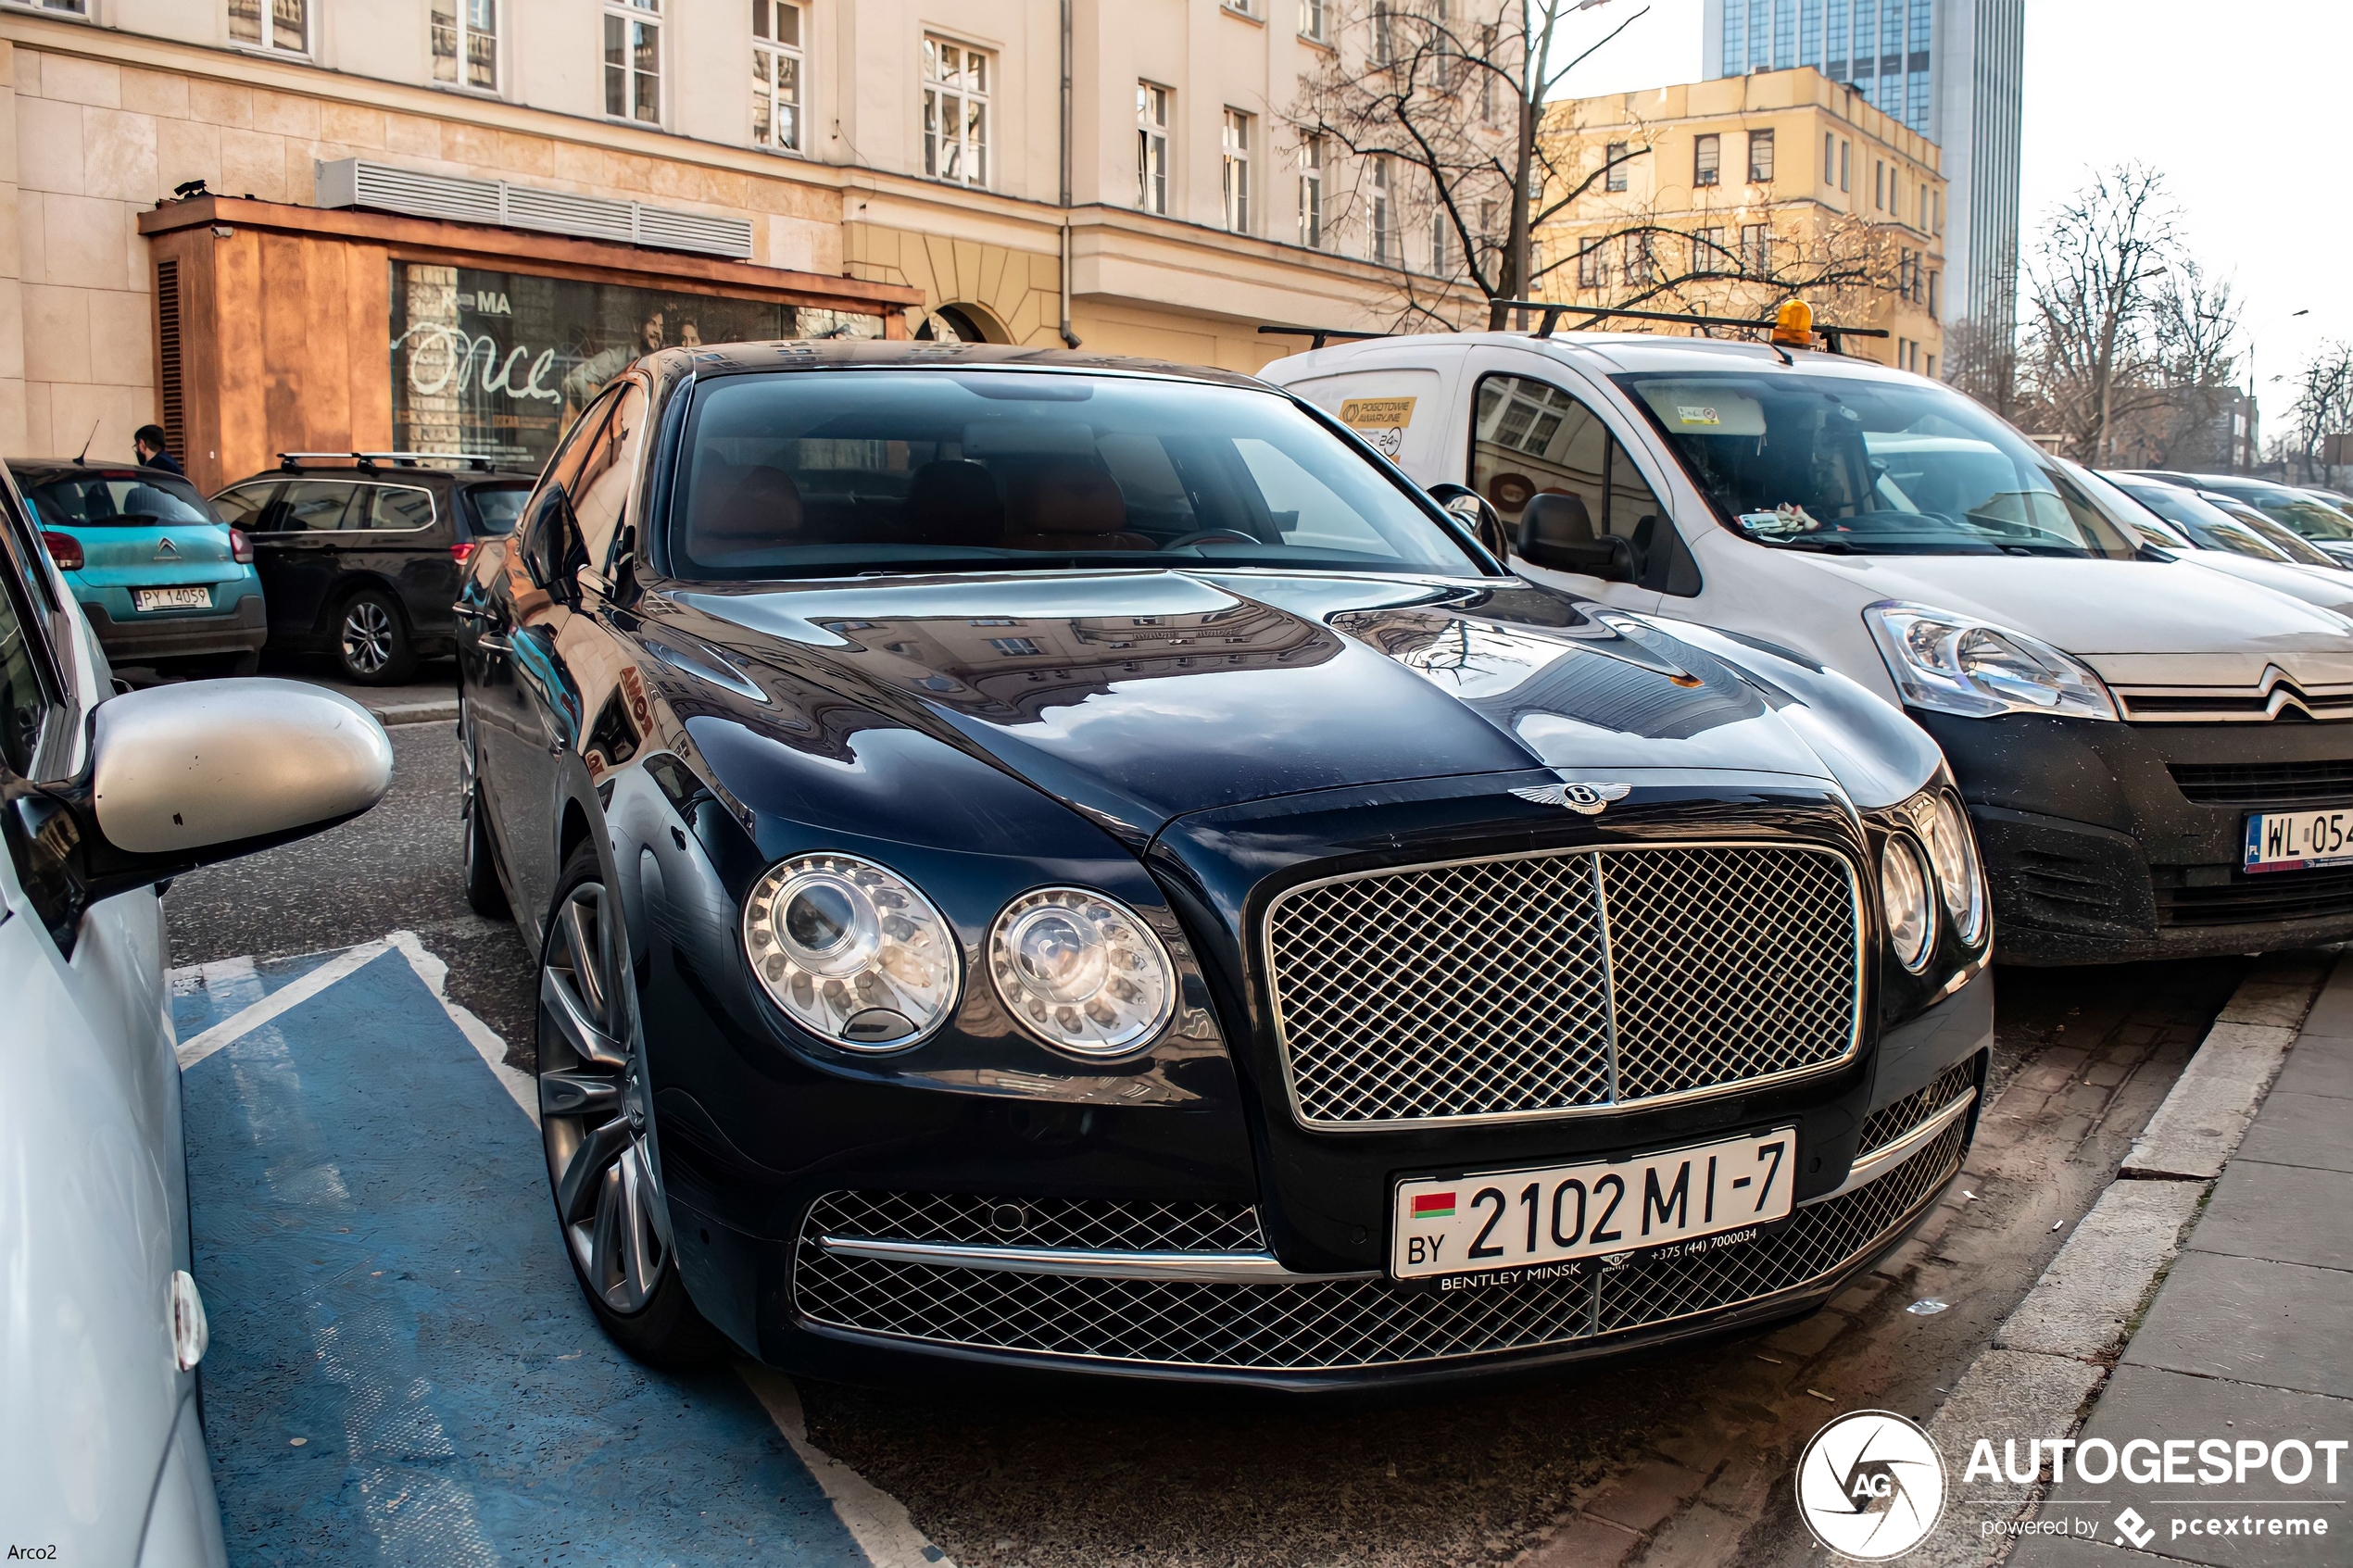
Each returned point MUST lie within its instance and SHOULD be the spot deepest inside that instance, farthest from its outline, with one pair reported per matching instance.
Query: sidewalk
(2244, 1342)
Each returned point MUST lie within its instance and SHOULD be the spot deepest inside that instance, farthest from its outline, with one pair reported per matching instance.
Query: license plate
(171, 598)
(2288, 841)
(1543, 1222)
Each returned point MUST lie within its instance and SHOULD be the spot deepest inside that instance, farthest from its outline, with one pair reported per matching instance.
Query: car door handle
(495, 641)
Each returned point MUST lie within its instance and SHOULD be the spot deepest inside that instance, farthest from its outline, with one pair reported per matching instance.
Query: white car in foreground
(102, 1459)
(2125, 726)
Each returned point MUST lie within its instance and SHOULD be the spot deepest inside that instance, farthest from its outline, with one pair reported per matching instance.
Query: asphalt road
(1053, 1476)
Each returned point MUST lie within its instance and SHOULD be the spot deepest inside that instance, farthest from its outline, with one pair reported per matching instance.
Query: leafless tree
(2323, 407)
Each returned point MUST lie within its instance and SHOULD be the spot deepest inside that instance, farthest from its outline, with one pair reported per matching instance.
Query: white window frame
(1384, 235)
(960, 158)
(77, 9)
(1152, 147)
(1442, 241)
(1234, 177)
(627, 14)
(1313, 22)
(267, 43)
(463, 29)
(770, 56)
(1311, 192)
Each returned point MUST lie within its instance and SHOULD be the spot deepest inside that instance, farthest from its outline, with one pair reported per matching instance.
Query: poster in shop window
(499, 364)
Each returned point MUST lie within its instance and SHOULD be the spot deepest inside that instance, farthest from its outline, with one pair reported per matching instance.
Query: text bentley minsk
(1079, 863)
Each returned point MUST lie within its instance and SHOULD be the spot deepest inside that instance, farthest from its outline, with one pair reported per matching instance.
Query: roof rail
(1553, 311)
(292, 461)
(1318, 336)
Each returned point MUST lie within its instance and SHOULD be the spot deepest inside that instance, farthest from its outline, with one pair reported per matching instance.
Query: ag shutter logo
(1870, 1486)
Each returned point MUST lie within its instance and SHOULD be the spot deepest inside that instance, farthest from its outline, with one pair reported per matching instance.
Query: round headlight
(852, 952)
(1903, 891)
(1080, 970)
(1954, 852)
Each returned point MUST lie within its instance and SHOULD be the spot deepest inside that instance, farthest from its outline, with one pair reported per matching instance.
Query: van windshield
(816, 473)
(1854, 466)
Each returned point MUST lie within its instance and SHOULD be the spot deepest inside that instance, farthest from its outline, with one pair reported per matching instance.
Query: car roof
(1615, 351)
(51, 468)
(836, 354)
(388, 472)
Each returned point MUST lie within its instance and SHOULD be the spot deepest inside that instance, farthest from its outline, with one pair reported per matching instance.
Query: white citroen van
(2159, 759)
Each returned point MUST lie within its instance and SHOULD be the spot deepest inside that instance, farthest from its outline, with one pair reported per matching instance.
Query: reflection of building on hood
(586, 378)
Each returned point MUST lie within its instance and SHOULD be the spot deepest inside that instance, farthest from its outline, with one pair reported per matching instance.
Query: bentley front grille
(1324, 1324)
(1890, 1123)
(1555, 984)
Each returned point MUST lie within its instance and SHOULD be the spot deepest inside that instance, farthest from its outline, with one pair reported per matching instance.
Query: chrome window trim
(432, 501)
(1872, 1165)
(1233, 1268)
(1854, 884)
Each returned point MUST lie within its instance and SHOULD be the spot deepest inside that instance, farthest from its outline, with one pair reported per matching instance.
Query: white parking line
(236, 1027)
(876, 1520)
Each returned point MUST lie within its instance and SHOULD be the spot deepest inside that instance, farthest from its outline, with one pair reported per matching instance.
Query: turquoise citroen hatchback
(162, 579)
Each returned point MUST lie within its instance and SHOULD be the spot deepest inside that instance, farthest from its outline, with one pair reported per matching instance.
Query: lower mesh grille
(1331, 1324)
(1084, 1224)
(1891, 1121)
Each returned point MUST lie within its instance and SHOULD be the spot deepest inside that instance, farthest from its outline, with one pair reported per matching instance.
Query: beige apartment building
(435, 224)
(1725, 197)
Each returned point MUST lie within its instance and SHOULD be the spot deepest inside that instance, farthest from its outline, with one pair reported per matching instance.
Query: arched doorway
(960, 323)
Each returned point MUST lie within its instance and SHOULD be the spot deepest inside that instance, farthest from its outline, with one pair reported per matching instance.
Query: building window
(633, 59)
(1933, 305)
(1442, 244)
(1707, 251)
(1614, 159)
(1442, 47)
(1384, 216)
(1237, 176)
(1844, 148)
(1878, 184)
(1311, 21)
(1486, 74)
(1830, 158)
(777, 67)
(1311, 192)
(466, 30)
(1017, 648)
(1592, 264)
(69, 8)
(1640, 272)
(1760, 158)
(283, 25)
(1931, 366)
(956, 83)
(1707, 161)
(1755, 250)
(1384, 35)
(1152, 147)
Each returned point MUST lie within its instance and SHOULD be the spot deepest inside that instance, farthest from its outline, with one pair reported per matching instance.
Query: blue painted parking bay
(402, 1369)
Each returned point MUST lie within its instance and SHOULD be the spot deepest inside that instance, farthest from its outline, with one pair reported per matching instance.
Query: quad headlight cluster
(1936, 859)
(858, 957)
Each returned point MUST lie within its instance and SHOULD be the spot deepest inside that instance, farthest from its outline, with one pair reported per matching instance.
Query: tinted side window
(243, 506)
(547, 539)
(1531, 437)
(312, 506)
(601, 494)
(495, 508)
(24, 699)
(399, 507)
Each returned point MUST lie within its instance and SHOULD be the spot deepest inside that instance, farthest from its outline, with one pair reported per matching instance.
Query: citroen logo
(1589, 801)
(2281, 694)
(167, 551)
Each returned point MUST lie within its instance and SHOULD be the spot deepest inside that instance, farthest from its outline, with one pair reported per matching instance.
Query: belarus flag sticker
(1434, 1206)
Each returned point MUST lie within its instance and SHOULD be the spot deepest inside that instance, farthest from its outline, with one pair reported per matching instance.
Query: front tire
(372, 646)
(595, 1122)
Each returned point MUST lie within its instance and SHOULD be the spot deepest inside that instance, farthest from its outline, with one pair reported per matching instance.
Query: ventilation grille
(168, 357)
(355, 181)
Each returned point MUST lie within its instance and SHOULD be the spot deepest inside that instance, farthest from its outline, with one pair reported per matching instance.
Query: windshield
(1848, 465)
(497, 507)
(825, 473)
(2302, 513)
(119, 499)
(2209, 526)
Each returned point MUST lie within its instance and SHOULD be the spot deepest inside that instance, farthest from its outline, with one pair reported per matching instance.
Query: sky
(2242, 106)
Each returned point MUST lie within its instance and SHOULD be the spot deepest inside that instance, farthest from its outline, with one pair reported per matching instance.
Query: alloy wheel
(367, 636)
(592, 1107)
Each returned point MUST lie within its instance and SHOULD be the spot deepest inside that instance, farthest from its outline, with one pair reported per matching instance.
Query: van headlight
(851, 951)
(1081, 972)
(1957, 664)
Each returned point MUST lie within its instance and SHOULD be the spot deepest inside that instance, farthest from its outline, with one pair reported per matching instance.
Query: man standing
(148, 442)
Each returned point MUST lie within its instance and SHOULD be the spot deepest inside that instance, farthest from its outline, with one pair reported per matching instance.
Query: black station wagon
(361, 553)
(1079, 863)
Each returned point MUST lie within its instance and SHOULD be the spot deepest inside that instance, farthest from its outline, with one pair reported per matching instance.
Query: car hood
(2134, 621)
(1139, 697)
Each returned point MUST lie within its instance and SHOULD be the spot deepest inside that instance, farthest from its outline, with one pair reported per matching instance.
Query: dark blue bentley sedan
(1079, 863)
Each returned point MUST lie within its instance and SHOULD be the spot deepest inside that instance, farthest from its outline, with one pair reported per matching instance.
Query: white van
(2156, 757)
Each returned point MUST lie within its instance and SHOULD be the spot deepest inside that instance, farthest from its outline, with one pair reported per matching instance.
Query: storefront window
(499, 364)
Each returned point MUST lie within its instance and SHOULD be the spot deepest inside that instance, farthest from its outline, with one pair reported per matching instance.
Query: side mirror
(1557, 532)
(1478, 515)
(185, 776)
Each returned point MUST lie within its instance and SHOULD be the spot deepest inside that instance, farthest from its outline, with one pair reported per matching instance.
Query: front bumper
(167, 635)
(2099, 852)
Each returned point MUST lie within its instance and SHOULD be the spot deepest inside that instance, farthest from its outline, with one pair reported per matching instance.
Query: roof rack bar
(1554, 311)
(1317, 336)
(480, 460)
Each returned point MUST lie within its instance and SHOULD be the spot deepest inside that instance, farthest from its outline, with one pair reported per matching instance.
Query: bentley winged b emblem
(1589, 801)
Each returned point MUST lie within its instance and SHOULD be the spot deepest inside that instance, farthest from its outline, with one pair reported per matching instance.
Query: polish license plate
(1503, 1227)
(171, 598)
(2289, 841)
